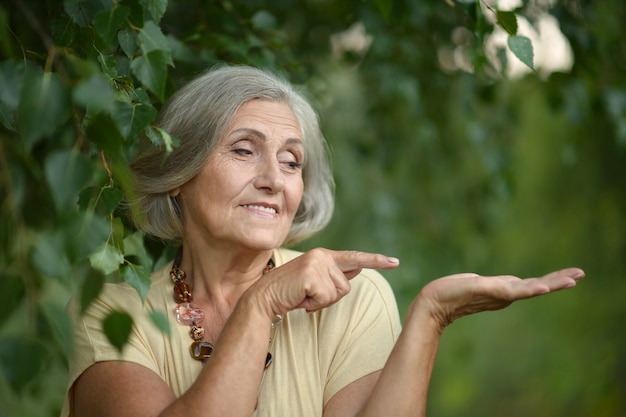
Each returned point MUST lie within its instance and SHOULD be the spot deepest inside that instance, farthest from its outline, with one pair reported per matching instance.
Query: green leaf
(138, 277)
(508, 21)
(67, 172)
(384, 7)
(106, 260)
(91, 289)
(11, 74)
(160, 137)
(108, 64)
(504, 60)
(84, 68)
(12, 290)
(139, 96)
(137, 273)
(110, 198)
(102, 131)
(151, 67)
(160, 320)
(123, 178)
(84, 233)
(182, 52)
(95, 94)
(156, 8)
(49, 258)
(10, 85)
(108, 22)
(117, 232)
(151, 38)
(151, 70)
(133, 245)
(44, 106)
(128, 42)
(117, 327)
(63, 30)
(104, 199)
(81, 11)
(263, 20)
(522, 47)
(15, 186)
(60, 324)
(132, 118)
(85, 197)
(21, 360)
(5, 36)
(6, 117)
(136, 12)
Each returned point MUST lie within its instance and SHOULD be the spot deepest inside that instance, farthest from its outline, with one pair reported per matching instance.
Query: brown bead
(196, 332)
(269, 266)
(182, 292)
(201, 350)
(177, 275)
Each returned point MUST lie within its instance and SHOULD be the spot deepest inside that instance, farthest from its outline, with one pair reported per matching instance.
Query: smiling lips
(265, 209)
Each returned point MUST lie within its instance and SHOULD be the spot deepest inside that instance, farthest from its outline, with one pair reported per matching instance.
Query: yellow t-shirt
(315, 354)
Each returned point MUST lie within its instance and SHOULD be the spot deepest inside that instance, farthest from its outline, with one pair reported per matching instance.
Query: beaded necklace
(191, 315)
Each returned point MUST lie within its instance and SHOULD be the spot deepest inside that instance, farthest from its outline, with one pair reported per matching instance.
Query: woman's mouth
(264, 209)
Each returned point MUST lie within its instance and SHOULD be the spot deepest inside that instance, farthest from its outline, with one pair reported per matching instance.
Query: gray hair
(198, 116)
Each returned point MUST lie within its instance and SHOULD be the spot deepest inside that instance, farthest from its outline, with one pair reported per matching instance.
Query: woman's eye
(291, 161)
(243, 151)
(292, 165)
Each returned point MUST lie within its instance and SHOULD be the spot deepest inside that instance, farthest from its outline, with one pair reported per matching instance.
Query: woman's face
(250, 188)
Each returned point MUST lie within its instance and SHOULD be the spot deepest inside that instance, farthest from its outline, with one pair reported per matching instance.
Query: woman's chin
(264, 243)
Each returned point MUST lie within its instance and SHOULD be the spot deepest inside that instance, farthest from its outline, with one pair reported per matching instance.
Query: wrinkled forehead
(272, 115)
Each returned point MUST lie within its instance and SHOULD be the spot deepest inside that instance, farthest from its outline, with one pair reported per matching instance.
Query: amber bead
(201, 350)
(182, 292)
(177, 275)
(196, 332)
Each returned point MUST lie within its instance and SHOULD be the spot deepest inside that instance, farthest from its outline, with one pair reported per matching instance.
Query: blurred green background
(448, 153)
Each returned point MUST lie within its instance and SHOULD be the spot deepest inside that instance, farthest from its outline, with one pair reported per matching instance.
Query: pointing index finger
(349, 261)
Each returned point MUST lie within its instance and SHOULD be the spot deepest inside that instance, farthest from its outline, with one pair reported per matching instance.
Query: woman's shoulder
(374, 280)
(126, 297)
(159, 282)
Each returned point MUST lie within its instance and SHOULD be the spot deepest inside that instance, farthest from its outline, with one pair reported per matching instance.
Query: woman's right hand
(449, 298)
(315, 279)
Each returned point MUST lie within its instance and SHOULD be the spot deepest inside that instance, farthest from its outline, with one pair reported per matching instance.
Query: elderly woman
(258, 329)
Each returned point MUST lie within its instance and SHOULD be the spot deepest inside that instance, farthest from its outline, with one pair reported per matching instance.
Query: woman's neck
(220, 277)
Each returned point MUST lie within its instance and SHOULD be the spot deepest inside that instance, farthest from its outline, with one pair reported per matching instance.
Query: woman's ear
(175, 192)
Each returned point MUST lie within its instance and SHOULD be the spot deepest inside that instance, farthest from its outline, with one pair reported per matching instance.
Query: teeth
(261, 208)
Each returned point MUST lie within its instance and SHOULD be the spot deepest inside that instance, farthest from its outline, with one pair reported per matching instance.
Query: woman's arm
(227, 385)
(401, 388)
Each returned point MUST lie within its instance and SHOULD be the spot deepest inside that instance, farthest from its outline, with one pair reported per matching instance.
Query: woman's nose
(270, 176)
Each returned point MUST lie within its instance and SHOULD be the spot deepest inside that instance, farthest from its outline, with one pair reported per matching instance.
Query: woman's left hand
(456, 296)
